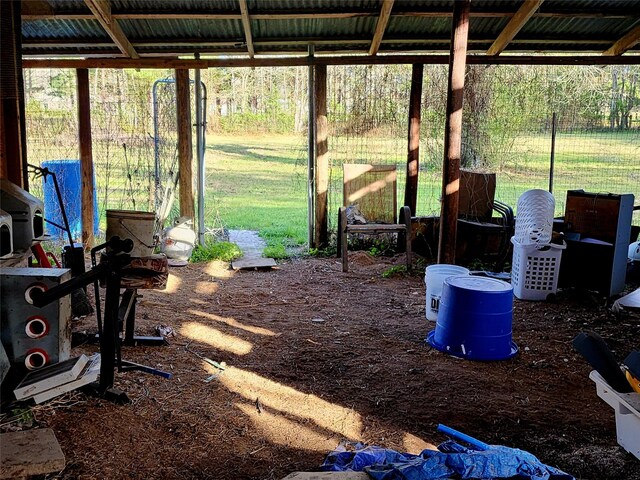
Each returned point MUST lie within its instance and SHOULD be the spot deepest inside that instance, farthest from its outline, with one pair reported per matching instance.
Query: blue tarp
(452, 460)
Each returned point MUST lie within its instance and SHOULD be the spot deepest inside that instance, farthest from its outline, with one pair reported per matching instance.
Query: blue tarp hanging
(452, 460)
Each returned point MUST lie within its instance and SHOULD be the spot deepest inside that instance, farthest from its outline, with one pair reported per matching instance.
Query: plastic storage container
(434, 276)
(534, 217)
(627, 412)
(535, 270)
(475, 319)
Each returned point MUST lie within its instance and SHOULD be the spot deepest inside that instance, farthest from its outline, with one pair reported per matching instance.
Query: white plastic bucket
(138, 226)
(434, 278)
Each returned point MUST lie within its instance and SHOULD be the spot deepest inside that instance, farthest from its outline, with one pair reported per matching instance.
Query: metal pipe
(553, 151)
(455, 434)
(200, 154)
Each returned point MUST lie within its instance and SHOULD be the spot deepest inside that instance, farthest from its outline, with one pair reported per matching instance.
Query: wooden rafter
(101, 9)
(381, 26)
(246, 25)
(512, 28)
(159, 62)
(173, 45)
(630, 40)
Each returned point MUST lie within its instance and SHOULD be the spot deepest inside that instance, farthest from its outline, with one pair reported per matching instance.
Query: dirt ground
(314, 356)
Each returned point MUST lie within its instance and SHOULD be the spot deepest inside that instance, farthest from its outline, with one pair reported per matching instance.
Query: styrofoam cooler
(534, 217)
(535, 270)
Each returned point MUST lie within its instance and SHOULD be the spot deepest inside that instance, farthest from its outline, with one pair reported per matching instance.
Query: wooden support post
(413, 154)
(185, 145)
(453, 133)
(311, 155)
(13, 149)
(322, 156)
(86, 156)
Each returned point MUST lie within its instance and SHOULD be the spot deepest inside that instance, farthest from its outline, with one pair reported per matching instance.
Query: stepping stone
(30, 452)
(253, 262)
(252, 247)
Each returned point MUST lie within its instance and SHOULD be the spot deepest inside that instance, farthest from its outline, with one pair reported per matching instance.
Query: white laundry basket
(535, 270)
(534, 217)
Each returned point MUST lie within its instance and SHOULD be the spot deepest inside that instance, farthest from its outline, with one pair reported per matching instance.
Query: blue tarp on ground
(452, 460)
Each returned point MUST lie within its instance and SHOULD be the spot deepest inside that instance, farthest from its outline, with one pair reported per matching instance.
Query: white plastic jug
(434, 277)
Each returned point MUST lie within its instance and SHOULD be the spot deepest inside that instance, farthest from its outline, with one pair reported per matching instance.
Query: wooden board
(31, 452)
(252, 263)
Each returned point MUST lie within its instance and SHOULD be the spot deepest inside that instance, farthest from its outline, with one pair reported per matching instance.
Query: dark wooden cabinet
(597, 228)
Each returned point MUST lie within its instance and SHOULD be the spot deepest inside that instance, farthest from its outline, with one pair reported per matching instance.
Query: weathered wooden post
(185, 145)
(453, 133)
(86, 156)
(413, 142)
(322, 156)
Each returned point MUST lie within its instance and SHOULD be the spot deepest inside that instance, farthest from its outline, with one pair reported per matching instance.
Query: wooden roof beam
(158, 62)
(246, 25)
(381, 26)
(169, 43)
(101, 9)
(630, 40)
(512, 28)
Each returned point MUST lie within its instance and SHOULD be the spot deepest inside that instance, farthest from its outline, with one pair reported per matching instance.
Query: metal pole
(200, 155)
(311, 151)
(156, 144)
(553, 151)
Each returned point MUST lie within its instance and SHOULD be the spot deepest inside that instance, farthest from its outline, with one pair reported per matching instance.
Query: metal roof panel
(176, 29)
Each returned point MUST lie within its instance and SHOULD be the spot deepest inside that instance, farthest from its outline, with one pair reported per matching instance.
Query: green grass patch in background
(259, 182)
(225, 251)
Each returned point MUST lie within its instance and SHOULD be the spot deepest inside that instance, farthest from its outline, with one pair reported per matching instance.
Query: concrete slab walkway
(252, 247)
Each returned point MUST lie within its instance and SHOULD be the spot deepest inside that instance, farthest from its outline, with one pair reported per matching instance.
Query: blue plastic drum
(68, 176)
(475, 319)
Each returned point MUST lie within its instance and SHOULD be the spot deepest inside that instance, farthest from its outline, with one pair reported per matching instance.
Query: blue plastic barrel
(68, 176)
(475, 319)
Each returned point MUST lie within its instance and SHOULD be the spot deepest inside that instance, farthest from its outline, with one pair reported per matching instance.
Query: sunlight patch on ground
(173, 284)
(235, 324)
(344, 421)
(205, 334)
(415, 445)
(219, 269)
(206, 288)
(281, 431)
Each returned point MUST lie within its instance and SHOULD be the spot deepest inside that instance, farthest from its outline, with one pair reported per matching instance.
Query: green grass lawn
(259, 182)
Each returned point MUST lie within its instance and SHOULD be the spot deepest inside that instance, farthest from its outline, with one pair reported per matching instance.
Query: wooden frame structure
(268, 34)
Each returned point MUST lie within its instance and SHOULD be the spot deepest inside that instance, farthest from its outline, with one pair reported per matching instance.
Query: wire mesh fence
(258, 116)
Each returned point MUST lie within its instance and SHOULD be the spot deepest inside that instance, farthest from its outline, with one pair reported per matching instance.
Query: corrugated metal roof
(312, 5)
(183, 28)
(304, 28)
(175, 5)
(411, 28)
(62, 29)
